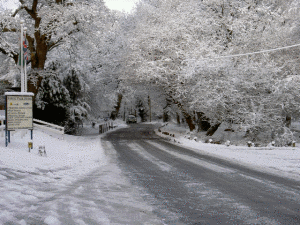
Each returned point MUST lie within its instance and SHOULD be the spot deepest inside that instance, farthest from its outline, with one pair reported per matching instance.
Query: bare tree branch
(34, 5)
(9, 30)
(60, 40)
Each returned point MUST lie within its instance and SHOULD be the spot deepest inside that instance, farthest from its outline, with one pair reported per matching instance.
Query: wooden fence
(48, 126)
(106, 127)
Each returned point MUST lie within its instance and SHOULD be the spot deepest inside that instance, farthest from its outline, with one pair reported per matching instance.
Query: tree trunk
(165, 117)
(188, 118)
(288, 121)
(202, 122)
(38, 59)
(115, 113)
(212, 129)
(166, 109)
(189, 121)
(178, 118)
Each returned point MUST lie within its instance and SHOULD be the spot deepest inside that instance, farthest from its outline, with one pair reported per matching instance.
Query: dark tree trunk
(188, 118)
(202, 122)
(288, 121)
(165, 117)
(178, 118)
(38, 59)
(212, 129)
(115, 113)
(166, 110)
(189, 121)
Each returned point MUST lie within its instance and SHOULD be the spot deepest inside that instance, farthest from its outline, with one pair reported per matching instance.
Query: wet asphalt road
(185, 187)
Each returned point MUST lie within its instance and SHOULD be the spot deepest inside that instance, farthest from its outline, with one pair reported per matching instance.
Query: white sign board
(19, 112)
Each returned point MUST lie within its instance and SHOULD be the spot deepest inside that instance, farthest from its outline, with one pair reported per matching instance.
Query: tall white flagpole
(22, 58)
(25, 72)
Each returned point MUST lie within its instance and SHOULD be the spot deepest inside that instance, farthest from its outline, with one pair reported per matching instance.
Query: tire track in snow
(141, 151)
(193, 160)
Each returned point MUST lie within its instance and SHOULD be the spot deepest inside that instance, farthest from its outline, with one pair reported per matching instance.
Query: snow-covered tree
(49, 24)
(179, 44)
(158, 44)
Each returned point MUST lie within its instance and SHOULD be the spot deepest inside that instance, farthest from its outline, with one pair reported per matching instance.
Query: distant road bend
(185, 187)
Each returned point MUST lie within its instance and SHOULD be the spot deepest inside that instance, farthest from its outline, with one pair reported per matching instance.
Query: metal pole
(124, 113)
(25, 72)
(150, 112)
(22, 58)
(6, 137)
(149, 102)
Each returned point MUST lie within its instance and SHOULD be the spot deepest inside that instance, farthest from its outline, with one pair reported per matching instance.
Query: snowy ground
(75, 183)
(50, 189)
(282, 161)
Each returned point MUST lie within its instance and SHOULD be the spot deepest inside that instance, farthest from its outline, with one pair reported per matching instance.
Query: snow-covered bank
(282, 161)
(60, 154)
(63, 153)
(26, 177)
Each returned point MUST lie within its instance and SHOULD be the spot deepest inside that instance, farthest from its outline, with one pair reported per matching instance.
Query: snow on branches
(180, 46)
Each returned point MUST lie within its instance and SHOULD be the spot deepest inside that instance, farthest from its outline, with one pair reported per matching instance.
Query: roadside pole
(25, 72)
(149, 102)
(19, 105)
(22, 59)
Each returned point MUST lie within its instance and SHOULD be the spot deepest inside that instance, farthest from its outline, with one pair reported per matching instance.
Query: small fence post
(6, 137)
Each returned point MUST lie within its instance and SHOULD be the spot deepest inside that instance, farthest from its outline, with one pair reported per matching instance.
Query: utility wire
(251, 53)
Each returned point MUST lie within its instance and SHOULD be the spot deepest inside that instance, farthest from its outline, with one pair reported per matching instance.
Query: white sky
(9, 4)
(121, 5)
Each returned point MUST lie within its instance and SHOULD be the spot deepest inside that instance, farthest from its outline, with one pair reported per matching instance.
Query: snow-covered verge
(62, 154)
(66, 160)
(282, 161)
(65, 154)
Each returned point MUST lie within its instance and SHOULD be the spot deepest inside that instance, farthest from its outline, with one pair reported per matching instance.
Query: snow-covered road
(280, 161)
(81, 180)
(189, 187)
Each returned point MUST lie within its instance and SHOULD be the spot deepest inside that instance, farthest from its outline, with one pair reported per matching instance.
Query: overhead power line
(252, 53)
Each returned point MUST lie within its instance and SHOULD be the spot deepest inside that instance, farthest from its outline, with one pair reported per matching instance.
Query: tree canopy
(228, 60)
(195, 50)
(50, 24)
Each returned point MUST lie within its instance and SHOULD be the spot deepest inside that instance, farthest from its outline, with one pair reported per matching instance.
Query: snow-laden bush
(284, 138)
(60, 99)
(78, 108)
(52, 100)
(52, 92)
